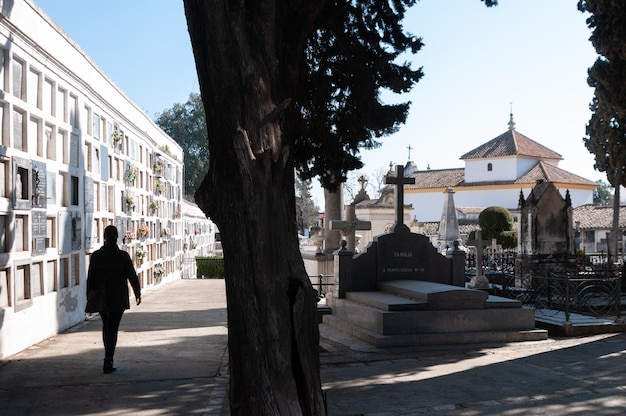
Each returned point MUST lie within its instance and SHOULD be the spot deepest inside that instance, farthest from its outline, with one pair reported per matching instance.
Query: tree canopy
(351, 56)
(186, 124)
(336, 110)
(608, 73)
(603, 194)
(605, 131)
(607, 126)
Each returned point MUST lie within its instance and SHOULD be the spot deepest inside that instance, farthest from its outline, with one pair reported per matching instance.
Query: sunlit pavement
(566, 376)
(172, 360)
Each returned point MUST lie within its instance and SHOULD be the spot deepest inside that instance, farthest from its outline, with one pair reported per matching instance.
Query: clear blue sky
(477, 60)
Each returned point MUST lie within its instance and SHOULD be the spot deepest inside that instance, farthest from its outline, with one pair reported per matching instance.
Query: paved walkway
(172, 360)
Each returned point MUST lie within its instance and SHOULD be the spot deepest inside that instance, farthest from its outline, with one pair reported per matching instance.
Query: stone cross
(349, 226)
(399, 180)
(362, 180)
(479, 281)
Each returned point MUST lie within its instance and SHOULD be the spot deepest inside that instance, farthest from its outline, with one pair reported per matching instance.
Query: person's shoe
(108, 366)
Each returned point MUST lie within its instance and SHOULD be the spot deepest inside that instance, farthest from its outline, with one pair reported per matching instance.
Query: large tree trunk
(245, 53)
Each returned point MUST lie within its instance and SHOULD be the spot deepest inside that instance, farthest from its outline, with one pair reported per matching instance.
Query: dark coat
(114, 267)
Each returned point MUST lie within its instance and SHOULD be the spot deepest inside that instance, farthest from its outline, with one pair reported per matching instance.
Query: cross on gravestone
(362, 180)
(349, 226)
(399, 180)
(479, 281)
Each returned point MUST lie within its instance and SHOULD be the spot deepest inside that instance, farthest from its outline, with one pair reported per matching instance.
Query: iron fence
(584, 284)
(322, 284)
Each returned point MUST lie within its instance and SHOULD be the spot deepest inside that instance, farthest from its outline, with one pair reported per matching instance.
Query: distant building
(495, 173)
(592, 224)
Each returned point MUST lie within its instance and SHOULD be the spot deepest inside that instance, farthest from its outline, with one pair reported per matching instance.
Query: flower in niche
(158, 271)
(117, 137)
(143, 230)
(131, 173)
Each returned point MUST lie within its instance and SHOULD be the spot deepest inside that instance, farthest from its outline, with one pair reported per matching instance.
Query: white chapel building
(494, 174)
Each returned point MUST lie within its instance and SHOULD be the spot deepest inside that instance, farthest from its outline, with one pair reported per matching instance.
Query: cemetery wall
(76, 155)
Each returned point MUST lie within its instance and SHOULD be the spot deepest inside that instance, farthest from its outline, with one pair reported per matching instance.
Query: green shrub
(508, 239)
(493, 221)
(209, 267)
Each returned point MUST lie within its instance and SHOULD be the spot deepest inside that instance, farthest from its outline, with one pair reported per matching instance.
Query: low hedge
(209, 267)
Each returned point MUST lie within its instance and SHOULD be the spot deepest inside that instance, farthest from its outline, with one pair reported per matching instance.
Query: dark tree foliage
(337, 110)
(608, 73)
(337, 107)
(606, 140)
(605, 131)
(603, 194)
(186, 124)
(606, 128)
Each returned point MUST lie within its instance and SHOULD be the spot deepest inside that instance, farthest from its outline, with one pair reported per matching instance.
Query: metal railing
(594, 296)
(320, 285)
(584, 284)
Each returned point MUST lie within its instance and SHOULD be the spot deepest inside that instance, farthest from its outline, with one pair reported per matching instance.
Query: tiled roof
(441, 178)
(428, 179)
(548, 172)
(590, 216)
(465, 227)
(470, 210)
(598, 216)
(511, 143)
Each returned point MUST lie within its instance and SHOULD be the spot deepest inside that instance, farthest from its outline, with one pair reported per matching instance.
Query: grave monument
(546, 233)
(400, 291)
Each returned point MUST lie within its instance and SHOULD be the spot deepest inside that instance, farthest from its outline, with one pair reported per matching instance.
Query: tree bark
(245, 53)
(612, 257)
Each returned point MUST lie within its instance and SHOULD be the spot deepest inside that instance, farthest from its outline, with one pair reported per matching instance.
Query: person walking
(107, 290)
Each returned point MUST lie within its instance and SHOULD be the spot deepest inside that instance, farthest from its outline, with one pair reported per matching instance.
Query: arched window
(489, 167)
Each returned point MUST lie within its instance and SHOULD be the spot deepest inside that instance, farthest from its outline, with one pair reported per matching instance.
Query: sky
(526, 56)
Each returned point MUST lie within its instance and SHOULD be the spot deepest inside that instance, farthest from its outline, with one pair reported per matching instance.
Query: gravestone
(397, 255)
(546, 224)
(546, 231)
(400, 291)
(349, 226)
(448, 231)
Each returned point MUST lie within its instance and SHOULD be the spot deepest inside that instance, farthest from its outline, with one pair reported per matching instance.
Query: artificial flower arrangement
(117, 137)
(143, 230)
(158, 272)
(158, 166)
(140, 253)
(131, 173)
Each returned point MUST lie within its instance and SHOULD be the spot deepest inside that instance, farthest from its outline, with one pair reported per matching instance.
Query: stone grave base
(410, 312)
